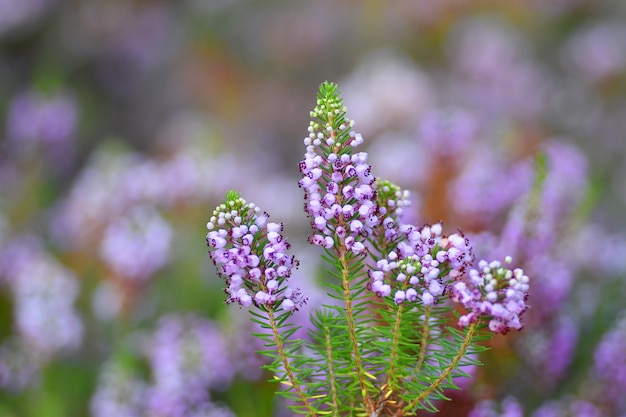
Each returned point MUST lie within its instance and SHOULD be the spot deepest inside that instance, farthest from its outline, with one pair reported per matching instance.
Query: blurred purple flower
(610, 363)
(540, 209)
(400, 156)
(44, 293)
(188, 356)
(140, 40)
(88, 207)
(448, 132)
(190, 175)
(136, 244)
(563, 187)
(209, 410)
(37, 119)
(149, 39)
(561, 348)
(568, 407)
(488, 184)
(495, 76)
(16, 13)
(547, 218)
(549, 350)
(118, 393)
(136, 181)
(597, 51)
(613, 247)
(387, 92)
(509, 407)
(555, 277)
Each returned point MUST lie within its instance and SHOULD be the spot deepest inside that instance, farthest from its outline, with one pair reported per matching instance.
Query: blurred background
(123, 124)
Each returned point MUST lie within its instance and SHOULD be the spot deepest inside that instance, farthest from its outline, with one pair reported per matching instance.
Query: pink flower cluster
(422, 265)
(250, 253)
(493, 291)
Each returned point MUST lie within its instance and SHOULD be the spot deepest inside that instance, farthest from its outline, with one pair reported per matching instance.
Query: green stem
(331, 373)
(347, 292)
(391, 377)
(422, 353)
(283, 357)
(423, 341)
(455, 361)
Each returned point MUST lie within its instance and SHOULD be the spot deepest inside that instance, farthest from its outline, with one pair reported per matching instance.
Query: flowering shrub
(122, 123)
(412, 307)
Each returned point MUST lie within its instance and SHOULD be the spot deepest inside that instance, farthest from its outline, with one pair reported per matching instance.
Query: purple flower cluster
(421, 266)
(493, 291)
(338, 184)
(251, 255)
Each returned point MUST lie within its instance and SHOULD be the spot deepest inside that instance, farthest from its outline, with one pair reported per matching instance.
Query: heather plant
(408, 305)
(123, 123)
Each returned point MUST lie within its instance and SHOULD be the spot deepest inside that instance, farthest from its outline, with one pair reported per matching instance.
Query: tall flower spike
(339, 187)
(250, 253)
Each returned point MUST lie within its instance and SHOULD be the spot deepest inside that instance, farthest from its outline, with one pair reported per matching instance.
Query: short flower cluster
(494, 291)
(251, 255)
(391, 201)
(422, 265)
(339, 186)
